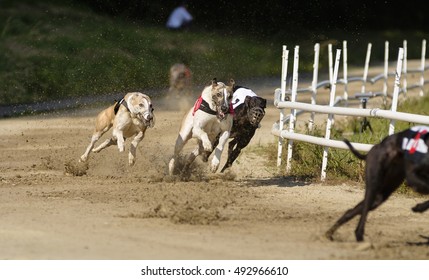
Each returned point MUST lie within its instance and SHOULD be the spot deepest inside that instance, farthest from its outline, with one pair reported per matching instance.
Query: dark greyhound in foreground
(398, 157)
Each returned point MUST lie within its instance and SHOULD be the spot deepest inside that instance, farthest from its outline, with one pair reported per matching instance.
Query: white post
(314, 83)
(365, 71)
(386, 70)
(330, 117)
(346, 95)
(285, 56)
(422, 67)
(330, 63)
(292, 111)
(404, 79)
(396, 88)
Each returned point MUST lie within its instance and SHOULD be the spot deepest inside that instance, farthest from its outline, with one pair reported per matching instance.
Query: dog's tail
(354, 151)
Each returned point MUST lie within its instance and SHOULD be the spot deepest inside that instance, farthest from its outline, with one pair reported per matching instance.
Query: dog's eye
(219, 94)
(141, 104)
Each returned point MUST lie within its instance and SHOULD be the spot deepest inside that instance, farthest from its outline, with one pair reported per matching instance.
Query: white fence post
(314, 83)
(365, 71)
(330, 63)
(386, 70)
(346, 94)
(285, 55)
(396, 88)
(292, 111)
(330, 117)
(422, 67)
(404, 79)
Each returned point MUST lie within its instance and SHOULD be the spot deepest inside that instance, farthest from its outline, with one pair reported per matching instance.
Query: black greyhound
(249, 110)
(398, 157)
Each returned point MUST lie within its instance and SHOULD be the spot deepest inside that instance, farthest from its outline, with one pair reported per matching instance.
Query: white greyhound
(211, 115)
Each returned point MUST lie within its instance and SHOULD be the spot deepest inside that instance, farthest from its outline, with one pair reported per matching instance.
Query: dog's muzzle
(148, 118)
(255, 115)
(223, 106)
(223, 112)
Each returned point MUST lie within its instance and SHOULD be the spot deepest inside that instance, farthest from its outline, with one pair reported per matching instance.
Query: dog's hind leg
(84, 157)
(94, 139)
(375, 195)
(367, 205)
(191, 157)
(105, 144)
(185, 134)
(350, 214)
(102, 125)
(421, 207)
(180, 143)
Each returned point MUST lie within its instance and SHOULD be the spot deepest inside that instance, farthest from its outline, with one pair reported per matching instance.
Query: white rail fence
(298, 107)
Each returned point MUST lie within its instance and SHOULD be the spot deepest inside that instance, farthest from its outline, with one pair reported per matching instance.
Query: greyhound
(210, 116)
(398, 157)
(130, 116)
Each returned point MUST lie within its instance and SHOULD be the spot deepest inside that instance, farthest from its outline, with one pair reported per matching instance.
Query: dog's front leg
(133, 148)
(241, 142)
(202, 135)
(105, 144)
(218, 151)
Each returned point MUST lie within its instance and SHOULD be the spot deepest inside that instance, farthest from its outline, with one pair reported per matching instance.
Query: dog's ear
(263, 102)
(231, 88)
(231, 83)
(247, 100)
(214, 82)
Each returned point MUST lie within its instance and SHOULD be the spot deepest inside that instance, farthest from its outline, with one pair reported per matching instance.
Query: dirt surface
(114, 211)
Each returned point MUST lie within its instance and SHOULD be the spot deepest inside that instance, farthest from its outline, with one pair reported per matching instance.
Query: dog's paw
(83, 159)
(171, 167)
(213, 168)
(215, 165)
(208, 147)
(419, 208)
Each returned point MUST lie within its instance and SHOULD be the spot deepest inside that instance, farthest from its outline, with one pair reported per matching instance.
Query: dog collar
(202, 105)
(205, 107)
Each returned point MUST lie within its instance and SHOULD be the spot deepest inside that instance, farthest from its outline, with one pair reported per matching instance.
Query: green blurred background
(51, 50)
